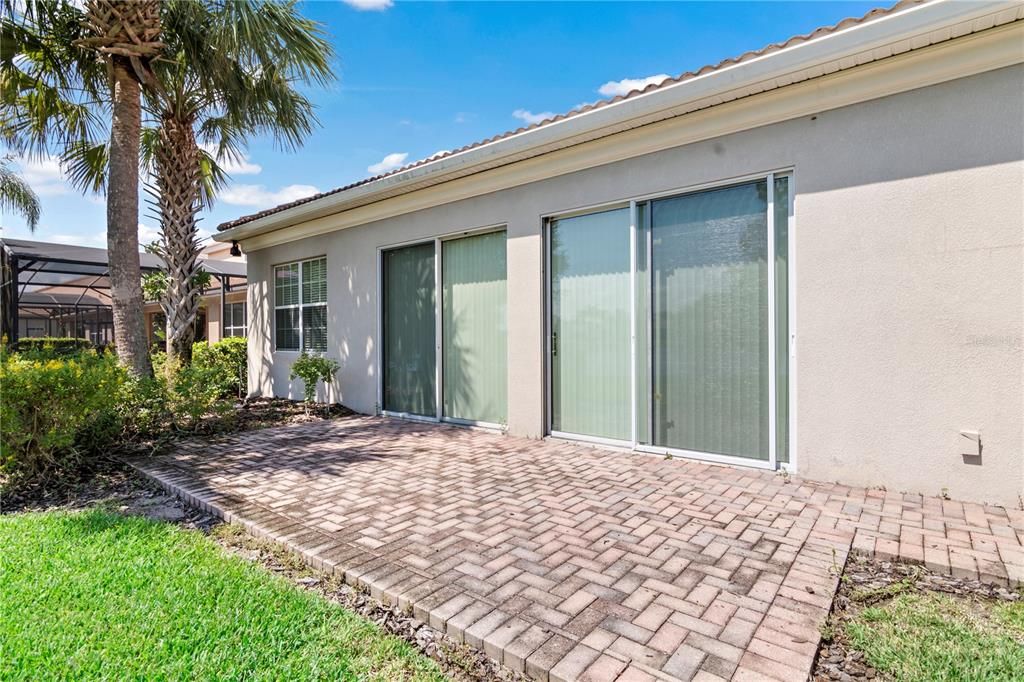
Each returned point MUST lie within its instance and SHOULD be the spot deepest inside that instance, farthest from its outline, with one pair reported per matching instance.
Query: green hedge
(61, 405)
(227, 360)
(57, 411)
(53, 345)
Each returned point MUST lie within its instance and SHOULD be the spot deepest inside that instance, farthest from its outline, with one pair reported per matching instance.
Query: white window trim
(295, 306)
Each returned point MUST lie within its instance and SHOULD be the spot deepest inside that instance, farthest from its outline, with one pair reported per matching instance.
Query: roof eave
(765, 69)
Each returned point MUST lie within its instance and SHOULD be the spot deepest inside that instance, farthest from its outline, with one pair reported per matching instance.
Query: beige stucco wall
(909, 281)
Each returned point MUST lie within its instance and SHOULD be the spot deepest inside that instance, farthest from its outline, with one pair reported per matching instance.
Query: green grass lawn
(937, 637)
(98, 595)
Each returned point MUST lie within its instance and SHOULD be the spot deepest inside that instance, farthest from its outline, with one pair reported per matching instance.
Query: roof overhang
(914, 28)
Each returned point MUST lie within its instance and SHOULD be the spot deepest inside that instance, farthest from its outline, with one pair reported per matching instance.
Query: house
(805, 258)
(63, 290)
(222, 309)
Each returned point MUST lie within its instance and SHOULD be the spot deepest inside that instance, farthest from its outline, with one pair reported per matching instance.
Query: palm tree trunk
(178, 200)
(123, 221)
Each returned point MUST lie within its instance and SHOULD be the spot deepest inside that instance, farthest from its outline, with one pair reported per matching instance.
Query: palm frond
(51, 92)
(85, 165)
(212, 178)
(16, 195)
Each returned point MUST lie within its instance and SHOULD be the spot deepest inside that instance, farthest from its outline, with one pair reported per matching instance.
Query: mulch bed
(117, 486)
(865, 582)
(259, 413)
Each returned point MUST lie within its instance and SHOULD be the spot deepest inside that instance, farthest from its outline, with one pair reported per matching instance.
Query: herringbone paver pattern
(571, 562)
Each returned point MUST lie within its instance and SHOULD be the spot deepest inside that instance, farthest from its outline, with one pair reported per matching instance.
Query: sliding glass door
(464, 329)
(590, 318)
(669, 323)
(409, 322)
(709, 299)
(474, 328)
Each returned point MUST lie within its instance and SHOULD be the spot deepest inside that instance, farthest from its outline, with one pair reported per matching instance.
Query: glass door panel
(709, 306)
(410, 358)
(474, 328)
(781, 220)
(590, 325)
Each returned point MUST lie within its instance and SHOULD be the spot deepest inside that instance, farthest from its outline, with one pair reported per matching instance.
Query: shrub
(193, 392)
(311, 369)
(229, 355)
(144, 406)
(52, 346)
(57, 412)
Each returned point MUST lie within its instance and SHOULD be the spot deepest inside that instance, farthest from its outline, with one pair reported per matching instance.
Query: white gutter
(904, 25)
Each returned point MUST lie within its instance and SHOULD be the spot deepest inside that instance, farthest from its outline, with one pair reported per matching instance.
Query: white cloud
(389, 163)
(260, 197)
(530, 117)
(147, 234)
(239, 166)
(369, 5)
(43, 175)
(613, 88)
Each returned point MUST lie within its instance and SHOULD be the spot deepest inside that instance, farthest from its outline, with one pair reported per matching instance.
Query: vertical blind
(701, 366)
(409, 330)
(710, 321)
(473, 327)
(590, 325)
(781, 219)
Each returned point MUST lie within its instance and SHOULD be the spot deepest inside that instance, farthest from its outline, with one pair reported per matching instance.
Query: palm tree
(126, 37)
(48, 89)
(17, 196)
(61, 70)
(230, 71)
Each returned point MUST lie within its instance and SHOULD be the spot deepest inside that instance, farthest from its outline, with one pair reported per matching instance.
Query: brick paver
(570, 562)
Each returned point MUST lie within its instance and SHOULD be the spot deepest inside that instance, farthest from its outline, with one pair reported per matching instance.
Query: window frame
(300, 306)
(229, 329)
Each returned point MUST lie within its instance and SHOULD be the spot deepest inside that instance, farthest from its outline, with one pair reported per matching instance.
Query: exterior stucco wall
(908, 276)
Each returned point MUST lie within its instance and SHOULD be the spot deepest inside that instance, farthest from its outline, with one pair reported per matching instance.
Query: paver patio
(567, 561)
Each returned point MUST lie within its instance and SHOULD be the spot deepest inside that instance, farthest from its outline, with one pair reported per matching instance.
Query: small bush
(57, 412)
(229, 355)
(311, 369)
(193, 392)
(52, 346)
(143, 405)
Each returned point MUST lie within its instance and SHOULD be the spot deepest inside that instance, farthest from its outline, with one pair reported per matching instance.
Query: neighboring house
(219, 316)
(808, 257)
(63, 290)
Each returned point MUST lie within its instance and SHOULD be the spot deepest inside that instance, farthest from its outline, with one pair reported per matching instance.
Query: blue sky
(418, 78)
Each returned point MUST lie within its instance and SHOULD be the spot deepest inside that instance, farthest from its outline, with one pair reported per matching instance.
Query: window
(234, 319)
(300, 305)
